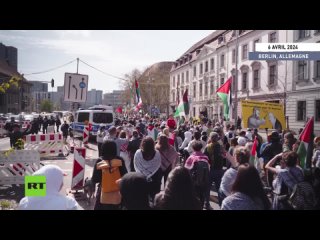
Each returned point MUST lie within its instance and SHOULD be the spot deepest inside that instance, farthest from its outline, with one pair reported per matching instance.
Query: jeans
(215, 176)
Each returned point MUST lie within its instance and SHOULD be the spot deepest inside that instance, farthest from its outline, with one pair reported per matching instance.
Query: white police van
(96, 115)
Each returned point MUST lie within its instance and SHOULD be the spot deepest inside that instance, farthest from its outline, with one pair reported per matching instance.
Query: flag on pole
(138, 96)
(224, 92)
(305, 149)
(183, 108)
(253, 156)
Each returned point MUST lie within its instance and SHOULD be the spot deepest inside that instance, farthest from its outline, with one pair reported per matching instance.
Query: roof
(204, 41)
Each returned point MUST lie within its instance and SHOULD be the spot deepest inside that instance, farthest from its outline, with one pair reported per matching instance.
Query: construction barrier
(78, 169)
(86, 133)
(3, 132)
(17, 165)
(45, 143)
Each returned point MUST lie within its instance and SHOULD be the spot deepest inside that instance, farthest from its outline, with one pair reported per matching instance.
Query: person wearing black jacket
(58, 123)
(45, 125)
(15, 135)
(109, 152)
(133, 146)
(270, 151)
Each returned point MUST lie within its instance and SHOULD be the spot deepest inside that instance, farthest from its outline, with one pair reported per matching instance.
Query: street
(66, 164)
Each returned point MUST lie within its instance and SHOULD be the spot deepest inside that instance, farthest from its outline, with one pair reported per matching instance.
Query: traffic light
(52, 82)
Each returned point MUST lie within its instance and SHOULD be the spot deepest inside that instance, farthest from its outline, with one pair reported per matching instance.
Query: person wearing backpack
(107, 171)
(287, 176)
(214, 153)
(198, 164)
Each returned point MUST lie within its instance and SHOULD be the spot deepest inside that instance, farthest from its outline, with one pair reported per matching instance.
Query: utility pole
(236, 78)
(77, 65)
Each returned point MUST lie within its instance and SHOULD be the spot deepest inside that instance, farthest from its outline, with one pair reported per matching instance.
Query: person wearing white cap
(53, 199)
(242, 141)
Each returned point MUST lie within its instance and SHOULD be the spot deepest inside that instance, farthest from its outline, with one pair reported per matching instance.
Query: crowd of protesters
(194, 158)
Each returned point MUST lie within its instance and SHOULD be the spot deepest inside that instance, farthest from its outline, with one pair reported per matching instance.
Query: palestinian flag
(305, 149)
(224, 92)
(183, 108)
(138, 96)
(253, 156)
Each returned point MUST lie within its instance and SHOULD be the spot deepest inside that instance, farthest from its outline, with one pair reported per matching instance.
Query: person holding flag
(184, 106)
(224, 92)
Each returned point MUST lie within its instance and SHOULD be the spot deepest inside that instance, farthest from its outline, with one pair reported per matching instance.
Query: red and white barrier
(78, 169)
(86, 130)
(45, 143)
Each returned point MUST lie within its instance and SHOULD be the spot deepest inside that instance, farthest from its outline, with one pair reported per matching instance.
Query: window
(200, 88)
(222, 60)
(317, 113)
(187, 76)
(83, 116)
(273, 37)
(206, 66)
(206, 88)
(174, 82)
(211, 85)
(254, 44)
(182, 92)
(256, 82)
(182, 78)
(194, 90)
(212, 64)
(194, 111)
(303, 70)
(244, 51)
(195, 71)
(272, 75)
(301, 111)
(102, 117)
(221, 81)
(220, 39)
(173, 96)
(317, 69)
(201, 68)
(244, 81)
(178, 81)
(233, 56)
(303, 34)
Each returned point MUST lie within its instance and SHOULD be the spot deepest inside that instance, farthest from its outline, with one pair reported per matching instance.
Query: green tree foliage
(5, 85)
(46, 106)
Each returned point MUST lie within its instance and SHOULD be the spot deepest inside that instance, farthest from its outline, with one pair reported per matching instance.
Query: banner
(262, 115)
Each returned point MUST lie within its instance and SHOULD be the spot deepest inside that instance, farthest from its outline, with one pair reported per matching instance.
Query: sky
(115, 52)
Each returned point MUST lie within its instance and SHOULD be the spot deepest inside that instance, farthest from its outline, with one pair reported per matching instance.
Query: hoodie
(187, 139)
(53, 200)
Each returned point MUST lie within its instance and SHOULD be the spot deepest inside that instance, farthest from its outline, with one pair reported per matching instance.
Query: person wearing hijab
(53, 199)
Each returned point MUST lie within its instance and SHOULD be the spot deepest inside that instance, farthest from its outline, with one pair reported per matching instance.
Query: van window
(102, 117)
(83, 116)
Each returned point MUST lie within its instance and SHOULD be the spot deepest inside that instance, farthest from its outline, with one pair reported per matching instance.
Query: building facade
(9, 54)
(303, 99)
(114, 99)
(213, 60)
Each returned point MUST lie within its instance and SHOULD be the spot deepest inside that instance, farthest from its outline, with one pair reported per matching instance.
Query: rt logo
(35, 186)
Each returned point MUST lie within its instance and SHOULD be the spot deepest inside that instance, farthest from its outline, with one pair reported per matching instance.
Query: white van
(96, 117)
